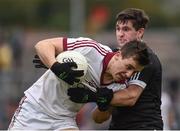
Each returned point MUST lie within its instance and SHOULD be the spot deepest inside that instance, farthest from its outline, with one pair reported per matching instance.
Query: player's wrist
(55, 66)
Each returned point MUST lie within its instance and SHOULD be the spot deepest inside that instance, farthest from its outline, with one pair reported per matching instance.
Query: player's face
(124, 68)
(125, 32)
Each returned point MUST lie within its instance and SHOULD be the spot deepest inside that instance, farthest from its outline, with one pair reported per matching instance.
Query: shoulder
(155, 61)
(150, 73)
(87, 43)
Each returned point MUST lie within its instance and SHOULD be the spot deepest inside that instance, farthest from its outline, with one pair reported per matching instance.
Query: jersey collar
(106, 60)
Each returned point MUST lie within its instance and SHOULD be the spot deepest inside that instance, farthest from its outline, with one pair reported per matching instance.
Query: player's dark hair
(138, 50)
(138, 17)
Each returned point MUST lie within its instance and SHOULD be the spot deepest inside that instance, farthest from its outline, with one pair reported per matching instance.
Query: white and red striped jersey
(49, 93)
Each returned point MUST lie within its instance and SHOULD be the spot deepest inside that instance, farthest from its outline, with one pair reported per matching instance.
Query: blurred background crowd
(25, 22)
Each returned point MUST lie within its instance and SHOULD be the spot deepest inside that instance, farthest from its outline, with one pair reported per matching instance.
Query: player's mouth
(122, 41)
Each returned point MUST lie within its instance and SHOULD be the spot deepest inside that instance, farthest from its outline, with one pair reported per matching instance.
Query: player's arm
(136, 85)
(124, 97)
(48, 48)
(127, 96)
(101, 116)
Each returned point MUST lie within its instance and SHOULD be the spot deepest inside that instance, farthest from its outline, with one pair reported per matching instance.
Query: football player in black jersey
(136, 107)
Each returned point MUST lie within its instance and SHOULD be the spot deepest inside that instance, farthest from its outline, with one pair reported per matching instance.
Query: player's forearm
(99, 116)
(126, 97)
(47, 49)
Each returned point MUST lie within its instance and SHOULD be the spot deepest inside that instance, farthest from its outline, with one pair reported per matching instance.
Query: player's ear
(140, 33)
(118, 55)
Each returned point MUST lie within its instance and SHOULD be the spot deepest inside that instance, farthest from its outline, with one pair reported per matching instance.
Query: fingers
(72, 64)
(36, 56)
(40, 66)
(78, 73)
(71, 91)
(70, 82)
(77, 80)
(37, 61)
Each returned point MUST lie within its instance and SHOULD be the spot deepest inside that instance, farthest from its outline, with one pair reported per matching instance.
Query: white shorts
(28, 117)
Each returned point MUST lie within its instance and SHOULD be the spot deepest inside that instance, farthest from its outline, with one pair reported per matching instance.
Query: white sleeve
(134, 80)
(116, 86)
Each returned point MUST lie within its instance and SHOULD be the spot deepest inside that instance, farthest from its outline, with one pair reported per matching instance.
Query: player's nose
(129, 74)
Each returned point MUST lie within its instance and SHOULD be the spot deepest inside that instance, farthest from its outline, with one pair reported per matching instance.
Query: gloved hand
(65, 72)
(38, 63)
(102, 97)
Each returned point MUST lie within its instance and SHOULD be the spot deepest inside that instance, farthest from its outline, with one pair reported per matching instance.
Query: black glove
(65, 72)
(81, 95)
(102, 97)
(38, 63)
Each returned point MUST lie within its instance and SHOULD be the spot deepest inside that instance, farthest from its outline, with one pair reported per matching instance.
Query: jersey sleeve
(116, 86)
(84, 45)
(142, 78)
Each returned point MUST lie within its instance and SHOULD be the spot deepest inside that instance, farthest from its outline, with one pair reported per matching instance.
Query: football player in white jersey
(46, 104)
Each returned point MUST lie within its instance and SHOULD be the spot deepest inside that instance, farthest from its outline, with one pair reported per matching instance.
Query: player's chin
(122, 42)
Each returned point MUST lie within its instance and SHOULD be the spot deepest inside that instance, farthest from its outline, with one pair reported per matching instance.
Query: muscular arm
(124, 97)
(127, 96)
(47, 49)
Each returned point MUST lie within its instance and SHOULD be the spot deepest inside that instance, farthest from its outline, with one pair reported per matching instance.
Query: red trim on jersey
(64, 44)
(14, 118)
(121, 82)
(93, 43)
(87, 43)
(106, 60)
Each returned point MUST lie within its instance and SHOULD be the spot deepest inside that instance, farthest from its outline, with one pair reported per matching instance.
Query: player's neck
(107, 78)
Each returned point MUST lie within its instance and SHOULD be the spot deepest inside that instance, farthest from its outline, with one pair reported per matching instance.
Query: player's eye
(129, 67)
(126, 29)
(117, 29)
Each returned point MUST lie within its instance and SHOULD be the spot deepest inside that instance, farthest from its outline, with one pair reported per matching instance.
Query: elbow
(98, 121)
(38, 46)
(100, 117)
(132, 103)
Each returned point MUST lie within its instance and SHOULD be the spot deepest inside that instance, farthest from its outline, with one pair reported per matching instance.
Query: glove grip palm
(102, 97)
(65, 72)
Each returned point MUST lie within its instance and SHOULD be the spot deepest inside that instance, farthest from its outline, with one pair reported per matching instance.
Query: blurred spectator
(97, 19)
(5, 65)
(167, 111)
(16, 40)
(5, 77)
(5, 54)
(174, 92)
